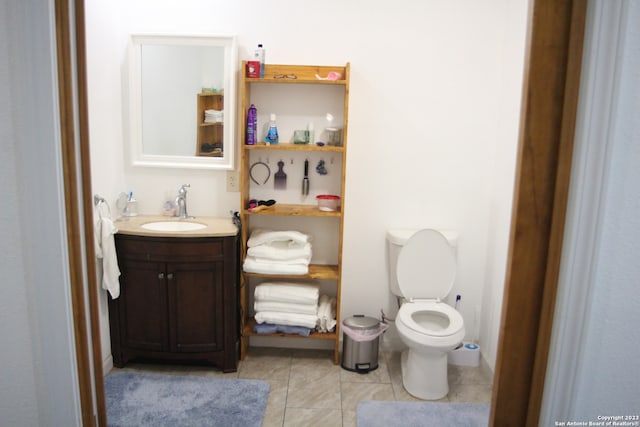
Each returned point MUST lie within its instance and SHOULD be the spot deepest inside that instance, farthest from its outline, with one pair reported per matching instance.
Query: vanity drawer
(173, 249)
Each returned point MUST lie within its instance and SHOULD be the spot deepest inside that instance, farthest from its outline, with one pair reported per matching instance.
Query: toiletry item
(252, 125)
(305, 180)
(300, 136)
(259, 55)
(334, 136)
(168, 208)
(333, 75)
(280, 178)
(253, 69)
(310, 132)
(131, 208)
(272, 133)
(328, 202)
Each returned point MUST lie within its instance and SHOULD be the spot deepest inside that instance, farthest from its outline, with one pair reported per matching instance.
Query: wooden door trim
(70, 45)
(550, 98)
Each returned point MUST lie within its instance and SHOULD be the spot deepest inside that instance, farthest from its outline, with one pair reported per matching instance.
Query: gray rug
(145, 399)
(375, 413)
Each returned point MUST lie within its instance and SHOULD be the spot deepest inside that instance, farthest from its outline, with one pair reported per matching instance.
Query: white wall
(38, 380)
(434, 101)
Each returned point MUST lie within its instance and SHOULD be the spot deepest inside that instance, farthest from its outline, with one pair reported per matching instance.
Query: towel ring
(99, 202)
(251, 172)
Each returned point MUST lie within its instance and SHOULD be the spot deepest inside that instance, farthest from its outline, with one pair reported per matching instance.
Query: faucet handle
(183, 188)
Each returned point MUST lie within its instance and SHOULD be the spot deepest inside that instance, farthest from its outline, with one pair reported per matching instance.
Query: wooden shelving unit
(304, 75)
(210, 135)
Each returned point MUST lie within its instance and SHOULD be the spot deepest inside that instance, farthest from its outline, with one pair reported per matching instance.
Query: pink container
(328, 202)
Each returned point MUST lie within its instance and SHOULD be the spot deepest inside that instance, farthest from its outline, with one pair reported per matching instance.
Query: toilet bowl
(422, 272)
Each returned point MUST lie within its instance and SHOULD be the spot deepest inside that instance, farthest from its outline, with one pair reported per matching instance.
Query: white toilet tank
(396, 239)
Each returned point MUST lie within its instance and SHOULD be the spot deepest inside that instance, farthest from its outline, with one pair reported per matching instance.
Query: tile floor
(307, 389)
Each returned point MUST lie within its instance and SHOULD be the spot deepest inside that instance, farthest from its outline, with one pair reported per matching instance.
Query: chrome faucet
(181, 202)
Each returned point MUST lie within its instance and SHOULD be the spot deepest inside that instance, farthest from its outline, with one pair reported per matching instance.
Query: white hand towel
(294, 261)
(326, 313)
(283, 251)
(285, 307)
(262, 237)
(107, 251)
(290, 319)
(251, 265)
(296, 293)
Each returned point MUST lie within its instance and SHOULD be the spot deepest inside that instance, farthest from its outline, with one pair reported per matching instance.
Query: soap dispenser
(272, 133)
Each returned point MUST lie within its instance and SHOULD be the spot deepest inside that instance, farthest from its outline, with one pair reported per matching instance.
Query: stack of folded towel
(278, 252)
(213, 116)
(286, 307)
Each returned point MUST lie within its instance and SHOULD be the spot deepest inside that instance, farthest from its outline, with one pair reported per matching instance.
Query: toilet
(422, 269)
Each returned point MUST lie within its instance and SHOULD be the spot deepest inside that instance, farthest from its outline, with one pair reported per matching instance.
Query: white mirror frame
(138, 157)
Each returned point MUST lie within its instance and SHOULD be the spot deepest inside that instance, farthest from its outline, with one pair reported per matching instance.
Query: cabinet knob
(161, 276)
(170, 276)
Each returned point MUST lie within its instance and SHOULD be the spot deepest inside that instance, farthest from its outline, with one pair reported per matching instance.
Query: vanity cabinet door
(143, 302)
(196, 322)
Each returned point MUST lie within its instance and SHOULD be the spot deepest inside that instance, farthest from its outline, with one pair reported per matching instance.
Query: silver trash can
(360, 356)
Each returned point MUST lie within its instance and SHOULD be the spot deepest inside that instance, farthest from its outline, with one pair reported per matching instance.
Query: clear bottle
(272, 133)
(259, 55)
(310, 133)
(252, 125)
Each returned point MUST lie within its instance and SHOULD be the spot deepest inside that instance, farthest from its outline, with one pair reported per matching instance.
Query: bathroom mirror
(182, 101)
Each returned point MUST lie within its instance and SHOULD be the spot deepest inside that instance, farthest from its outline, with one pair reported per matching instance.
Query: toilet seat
(454, 321)
(426, 266)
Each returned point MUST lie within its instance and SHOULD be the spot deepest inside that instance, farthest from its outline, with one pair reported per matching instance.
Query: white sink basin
(173, 226)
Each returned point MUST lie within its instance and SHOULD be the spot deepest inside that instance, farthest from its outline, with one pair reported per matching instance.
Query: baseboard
(107, 364)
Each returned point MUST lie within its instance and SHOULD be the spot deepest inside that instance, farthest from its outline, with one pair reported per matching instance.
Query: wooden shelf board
(248, 332)
(283, 209)
(316, 271)
(305, 74)
(212, 154)
(286, 146)
(296, 81)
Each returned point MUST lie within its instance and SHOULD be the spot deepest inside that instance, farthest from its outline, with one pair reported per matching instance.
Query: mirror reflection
(180, 116)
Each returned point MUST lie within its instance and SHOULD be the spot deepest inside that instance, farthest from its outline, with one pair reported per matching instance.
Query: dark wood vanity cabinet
(178, 300)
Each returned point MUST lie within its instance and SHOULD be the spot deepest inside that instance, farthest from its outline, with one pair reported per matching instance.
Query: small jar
(328, 202)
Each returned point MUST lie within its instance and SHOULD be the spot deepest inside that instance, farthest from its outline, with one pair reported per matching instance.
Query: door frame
(547, 125)
(548, 114)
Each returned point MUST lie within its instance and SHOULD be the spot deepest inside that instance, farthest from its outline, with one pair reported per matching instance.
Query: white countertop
(215, 226)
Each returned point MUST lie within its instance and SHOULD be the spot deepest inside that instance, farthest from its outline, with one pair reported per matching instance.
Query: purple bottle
(252, 125)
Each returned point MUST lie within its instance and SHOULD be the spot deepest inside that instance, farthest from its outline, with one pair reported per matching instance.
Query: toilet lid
(426, 266)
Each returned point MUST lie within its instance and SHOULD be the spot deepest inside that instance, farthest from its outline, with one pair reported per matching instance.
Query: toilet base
(424, 374)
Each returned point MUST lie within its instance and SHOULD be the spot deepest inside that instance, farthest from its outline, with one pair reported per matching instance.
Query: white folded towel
(262, 237)
(213, 116)
(251, 265)
(301, 261)
(295, 293)
(280, 250)
(326, 313)
(285, 307)
(106, 250)
(290, 319)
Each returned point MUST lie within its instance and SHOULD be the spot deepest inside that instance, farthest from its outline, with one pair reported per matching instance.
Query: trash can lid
(360, 321)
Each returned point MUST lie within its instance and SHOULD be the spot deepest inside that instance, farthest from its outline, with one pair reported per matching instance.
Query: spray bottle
(252, 125)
